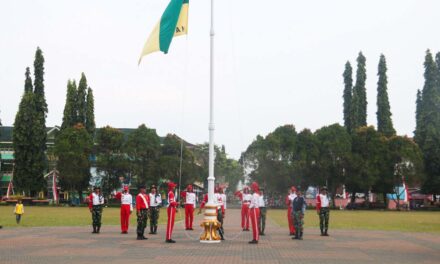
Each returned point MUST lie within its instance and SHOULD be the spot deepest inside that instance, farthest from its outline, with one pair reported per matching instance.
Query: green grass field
(67, 216)
(369, 220)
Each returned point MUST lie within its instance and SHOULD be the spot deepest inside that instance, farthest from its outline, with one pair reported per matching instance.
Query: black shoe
(294, 238)
(98, 229)
(222, 238)
(262, 234)
(191, 229)
(247, 229)
(325, 234)
(253, 242)
(144, 238)
(292, 234)
(170, 241)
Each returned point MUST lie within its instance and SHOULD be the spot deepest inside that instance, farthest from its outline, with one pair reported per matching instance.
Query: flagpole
(210, 222)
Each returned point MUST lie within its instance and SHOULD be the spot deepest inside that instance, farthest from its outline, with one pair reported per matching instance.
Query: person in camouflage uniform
(323, 210)
(298, 210)
(96, 203)
(142, 205)
(155, 204)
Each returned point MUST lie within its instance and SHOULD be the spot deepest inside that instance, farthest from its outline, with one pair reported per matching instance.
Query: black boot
(253, 241)
(151, 230)
(325, 233)
(155, 229)
(170, 241)
(322, 232)
(98, 229)
(301, 236)
(94, 230)
(143, 237)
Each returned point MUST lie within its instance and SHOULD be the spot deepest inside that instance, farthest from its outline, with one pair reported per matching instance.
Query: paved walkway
(77, 245)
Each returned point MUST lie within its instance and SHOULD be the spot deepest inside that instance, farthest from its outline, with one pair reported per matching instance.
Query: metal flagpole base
(210, 225)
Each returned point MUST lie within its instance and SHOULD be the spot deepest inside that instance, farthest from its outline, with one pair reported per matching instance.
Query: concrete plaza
(78, 245)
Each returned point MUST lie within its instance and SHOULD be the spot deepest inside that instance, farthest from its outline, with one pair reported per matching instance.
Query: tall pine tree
(348, 94)
(39, 124)
(384, 122)
(81, 101)
(419, 124)
(428, 131)
(360, 94)
(70, 115)
(90, 113)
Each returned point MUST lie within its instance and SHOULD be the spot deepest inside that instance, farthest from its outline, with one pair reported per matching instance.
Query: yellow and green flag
(173, 23)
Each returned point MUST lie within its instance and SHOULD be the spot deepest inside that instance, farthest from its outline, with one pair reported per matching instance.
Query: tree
(90, 112)
(359, 102)
(73, 147)
(334, 145)
(39, 133)
(428, 127)
(369, 151)
(23, 142)
(348, 94)
(384, 122)
(81, 101)
(418, 117)
(111, 160)
(143, 149)
(307, 154)
(70, 115)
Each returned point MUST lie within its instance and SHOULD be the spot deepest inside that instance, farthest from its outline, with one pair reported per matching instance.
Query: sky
(276, 62)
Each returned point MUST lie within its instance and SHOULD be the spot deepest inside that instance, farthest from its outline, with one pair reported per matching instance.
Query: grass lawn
(369, 220)
(67, 216)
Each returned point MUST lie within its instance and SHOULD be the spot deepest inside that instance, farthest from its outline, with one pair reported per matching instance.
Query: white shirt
(155, 199)
(223, 199)
(247, 197)
(261, 202)
(218, 200)
(126, 198)
(97, 199)
(324, 200)
(255, 201)
(190, 198)
(292, 196)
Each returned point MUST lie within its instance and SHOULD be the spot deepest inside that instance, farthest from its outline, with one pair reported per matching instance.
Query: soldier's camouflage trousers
(262, 222)
(298, 217)
(324, 216)
(96, 215)
(142, 221)
(154, 216)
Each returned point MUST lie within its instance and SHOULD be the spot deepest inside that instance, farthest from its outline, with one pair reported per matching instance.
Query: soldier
(298, 210)
(254, 212)
(171, 212)
(245, 198)
(126, 208)
(220, 200)
(155, 203)
(323, 210)
(96, 203)
(189, 198)
(262, 205)
(142, 204)
(289, 199)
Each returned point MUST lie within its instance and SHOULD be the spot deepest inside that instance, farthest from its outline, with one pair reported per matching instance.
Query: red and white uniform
(190, 204)
(142, 201)
(254, 207)
(289, 199)
(171, 211)
(245, 199)
(220, 201)
(126, 209)
(95, 199)
(321, 201)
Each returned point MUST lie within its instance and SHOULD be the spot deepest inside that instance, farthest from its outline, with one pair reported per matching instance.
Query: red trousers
(290, 220)
(245, 216)
(255, 216)
(171, 212)
(189, 215)
(125, 217)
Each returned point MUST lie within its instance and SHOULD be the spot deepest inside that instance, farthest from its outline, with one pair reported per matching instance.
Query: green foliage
(90, 112)
(143, 149)
(70, 115)
(359, 101)
(348, 95)
(111, 159)
(384, 122)
(81, 99)
(73, 147)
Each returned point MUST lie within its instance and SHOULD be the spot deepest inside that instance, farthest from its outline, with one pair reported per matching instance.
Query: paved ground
(77, 245)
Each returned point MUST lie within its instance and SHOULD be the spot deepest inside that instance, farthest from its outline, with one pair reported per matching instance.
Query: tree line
(136, 156)
(356, 155)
